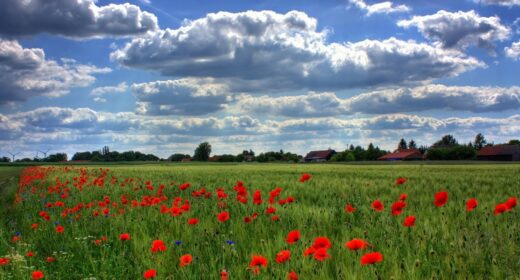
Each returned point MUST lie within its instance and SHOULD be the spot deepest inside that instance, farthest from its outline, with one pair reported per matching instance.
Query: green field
(446, 242)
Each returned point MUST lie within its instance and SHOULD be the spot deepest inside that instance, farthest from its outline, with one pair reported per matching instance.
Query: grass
(445, 243)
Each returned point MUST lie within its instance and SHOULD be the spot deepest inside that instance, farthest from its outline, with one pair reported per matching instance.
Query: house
(319, 156)
(403, 154)
(500, 153)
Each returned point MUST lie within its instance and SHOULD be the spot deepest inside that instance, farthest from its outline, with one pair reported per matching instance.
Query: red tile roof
(401, 154)
(319, 154)
(499, 150)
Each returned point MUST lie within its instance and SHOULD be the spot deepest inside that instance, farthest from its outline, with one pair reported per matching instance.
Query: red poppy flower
(257, 198)
(471, 204)
(409, 221)
(36, 275)
(403, 197)
(275, 218)
(321, 254)
(309, 251)
(223, 216)
(501, 208)
(292, 276)
(158, 245)
(60, 229)
(4, 261)
(283, 256)
(34, 226)
(184, 186)
(149, 274)
(371, 258)
(321, 242)
(293, 236)
(29, 254)
(511, 203)
(270, 210)
(305, 177)
(397, 207)
(185, 260)
(378, 206)
(440, 199)
(257, 261)
(349, 208)
(124, 237)
(356, 244)
(224, 275)
(193, 221)
(400, 181)
(50, 259)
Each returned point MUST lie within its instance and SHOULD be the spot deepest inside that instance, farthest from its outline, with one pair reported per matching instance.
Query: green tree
(402, 145)
(479, 141)
(202, 152)
(446, 141)
(412, 144)
(514, 142)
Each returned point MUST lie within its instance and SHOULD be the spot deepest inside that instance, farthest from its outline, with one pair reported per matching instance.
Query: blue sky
(161, 76)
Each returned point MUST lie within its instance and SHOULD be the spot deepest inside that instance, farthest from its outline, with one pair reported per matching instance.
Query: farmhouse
(500, 153)
(319, 156)
(403, 154)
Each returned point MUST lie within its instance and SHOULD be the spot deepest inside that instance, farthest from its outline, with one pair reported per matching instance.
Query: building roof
(499, 150)
(320, 154)
(401, 154)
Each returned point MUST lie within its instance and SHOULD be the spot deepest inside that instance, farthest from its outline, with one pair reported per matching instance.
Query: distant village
(447, 148)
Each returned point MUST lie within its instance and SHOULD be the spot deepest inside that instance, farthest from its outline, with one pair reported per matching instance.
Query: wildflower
(400, 181)
(283, 256)
(321, 254)
(293, 236)
(397, 207)
(371, 258)
(378, 206)
(511, 203)
(193, 221)
(292, 276)
(440, 199)
(184, 186)
(409, 221)
(4, 261)
(149, 274)
(321, 242)
(471, 204)
(185, 260)
(50, 259)
(257, 261)
(305, 177)
(224, 275)
(403, 197)
(223, 216)
(349, 208)
(36, 275)
(356, 244)
(158, 245)
(60, 229)
(500, 208)
(124, 237)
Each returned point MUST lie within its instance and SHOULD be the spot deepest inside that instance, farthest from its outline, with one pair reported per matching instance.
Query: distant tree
(82, 156)
(178, 157)
(446, 141)
(344, 156)
(479, 141)
(202, 152)
(514, 142)
(5, 159)
(423, 149)
(402, 145)
(105, 151)
(56, 157)
(412, 144)
(351, 147)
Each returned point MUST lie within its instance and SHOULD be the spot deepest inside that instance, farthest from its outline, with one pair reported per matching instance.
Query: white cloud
(73, 18)
(121, 87)
(66, 129)
(507, 3)
(265, 50)
(513, 51)
(459, 29)
(385, 7)
(25, 73)
(181, 97)
(389, 101)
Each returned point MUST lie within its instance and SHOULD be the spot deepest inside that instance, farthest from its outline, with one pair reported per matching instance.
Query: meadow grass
(446, 242)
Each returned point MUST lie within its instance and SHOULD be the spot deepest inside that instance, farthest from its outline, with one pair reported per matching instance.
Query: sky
(161, 76)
